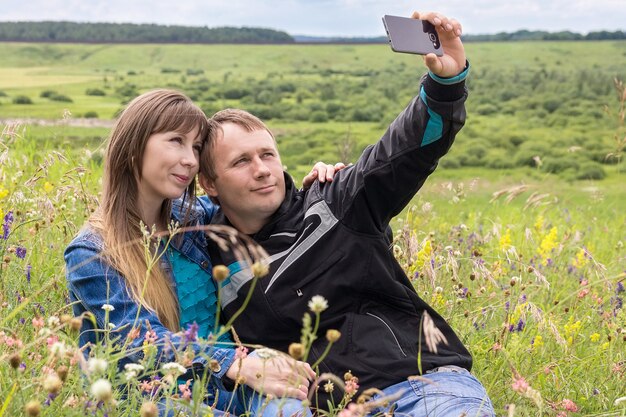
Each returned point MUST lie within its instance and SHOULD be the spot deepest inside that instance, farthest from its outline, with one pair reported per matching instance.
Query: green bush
(94, 92)
(191, 71)
(90, 115)
(590, 171)
(61, 97)
(2, 94)
(47, 93)
(169, 70)
(319, 116)
(558, 164)
(22, 100)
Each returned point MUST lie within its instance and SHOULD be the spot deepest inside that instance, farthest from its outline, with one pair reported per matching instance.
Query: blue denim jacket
(93, 283)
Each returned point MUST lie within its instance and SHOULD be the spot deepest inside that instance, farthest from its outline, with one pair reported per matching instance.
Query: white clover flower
(58, 349)
(108, 307)
(53, 321)
(318, 304)
(132, 370)
(102, 390)
(173, 368)
(97, 366)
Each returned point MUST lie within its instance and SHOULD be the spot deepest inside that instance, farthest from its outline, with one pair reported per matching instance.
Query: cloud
(328, 17)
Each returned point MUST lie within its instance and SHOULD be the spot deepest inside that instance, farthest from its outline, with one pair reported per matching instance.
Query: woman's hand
(322, 172)
(279, 375)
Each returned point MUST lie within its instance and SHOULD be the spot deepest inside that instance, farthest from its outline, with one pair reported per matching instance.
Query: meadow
(517, 239)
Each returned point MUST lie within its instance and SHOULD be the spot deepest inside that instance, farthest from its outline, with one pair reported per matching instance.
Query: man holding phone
(330, 240)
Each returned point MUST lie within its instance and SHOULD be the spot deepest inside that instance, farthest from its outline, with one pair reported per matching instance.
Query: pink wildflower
(583, 293)
(185, 391)
(51, 340)
(520, 385)
(38, 322)
(351, 387)
(569, 405)
(241, 352)
(151, 337)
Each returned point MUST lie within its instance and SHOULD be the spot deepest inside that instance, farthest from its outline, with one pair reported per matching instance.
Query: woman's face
(170, 163)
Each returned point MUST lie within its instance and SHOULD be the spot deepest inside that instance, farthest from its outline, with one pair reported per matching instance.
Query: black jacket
(330, 241)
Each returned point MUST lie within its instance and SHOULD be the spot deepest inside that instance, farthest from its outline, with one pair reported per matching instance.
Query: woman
(151, 160)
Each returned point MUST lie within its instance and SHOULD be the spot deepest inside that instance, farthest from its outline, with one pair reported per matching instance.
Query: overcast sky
(329, 17)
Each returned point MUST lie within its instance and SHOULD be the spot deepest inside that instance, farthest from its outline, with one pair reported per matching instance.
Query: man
(331, 241)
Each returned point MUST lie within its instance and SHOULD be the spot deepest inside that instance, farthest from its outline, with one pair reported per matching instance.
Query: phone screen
(412, 36)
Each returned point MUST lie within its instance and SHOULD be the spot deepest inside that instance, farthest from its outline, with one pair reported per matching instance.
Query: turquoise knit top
(197, 296)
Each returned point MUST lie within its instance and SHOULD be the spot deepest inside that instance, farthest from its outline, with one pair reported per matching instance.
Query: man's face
(250, 184)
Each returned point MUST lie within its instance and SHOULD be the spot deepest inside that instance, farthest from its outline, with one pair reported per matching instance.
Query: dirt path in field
(57, 122)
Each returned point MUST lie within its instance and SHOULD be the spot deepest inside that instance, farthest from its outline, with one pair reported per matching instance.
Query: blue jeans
(450, 391)
(246, 401)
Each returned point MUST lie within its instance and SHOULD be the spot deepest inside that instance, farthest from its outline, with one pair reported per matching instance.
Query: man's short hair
(241, 118)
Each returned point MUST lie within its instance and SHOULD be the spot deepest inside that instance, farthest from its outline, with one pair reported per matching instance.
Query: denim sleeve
(94, 283)
(208, 208)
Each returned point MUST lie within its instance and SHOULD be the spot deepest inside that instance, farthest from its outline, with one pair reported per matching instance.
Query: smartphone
(412, 36)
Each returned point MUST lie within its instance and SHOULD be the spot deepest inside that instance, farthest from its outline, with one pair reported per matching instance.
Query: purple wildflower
(191, 334)
(620, 287)
(507, 306)
(523, 298)
(28, 268)
(6, 225)
(520, 325)
(20, 252)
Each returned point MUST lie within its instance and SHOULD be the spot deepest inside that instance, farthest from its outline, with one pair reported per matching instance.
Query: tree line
(152, 33)
(135, 33)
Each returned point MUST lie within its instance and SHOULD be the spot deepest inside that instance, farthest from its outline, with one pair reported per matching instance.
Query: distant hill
(152, 33)
(135, 33)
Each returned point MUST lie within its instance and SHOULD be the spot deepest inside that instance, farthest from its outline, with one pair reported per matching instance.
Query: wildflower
(173, 368)
(397, 251)
(351, 386)
(537, 342)
(191, 334)
(102, 390)
(594, 337)
(505, 240)
(132, 370)
(569, 405)
(548, 244)
(15, 360)
(62, 372)
(620, 287)
(332, 335)
(317, 304)
(20, 252)
(148, 409)
(296, 350)
(520, 385)
(52, 384)
(424, 255)
(150, 337)
(47, 187)
(58, 349)
(329, 386)
(6, 225)
(581, 258)
(260, 269)
(220, 273)
(108, 307)
(32, 408)
(97, 366)
(53, 321)
(185, 391)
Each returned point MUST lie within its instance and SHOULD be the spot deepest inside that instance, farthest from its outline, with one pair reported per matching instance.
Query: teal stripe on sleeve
(434, 127)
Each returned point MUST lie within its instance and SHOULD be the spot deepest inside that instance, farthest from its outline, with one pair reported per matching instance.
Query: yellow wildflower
(3, 193)
(605, 345)
(505, 240)
(548, 243)
(580, 260)
(571, 327)
(537, 342)
(437, 300)
(47, 187)
(594, 337)
(539, 223)
(424, 255)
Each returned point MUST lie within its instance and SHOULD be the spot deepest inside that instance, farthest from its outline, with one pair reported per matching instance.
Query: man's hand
(449, 31)
(322, 172)
(280, 375)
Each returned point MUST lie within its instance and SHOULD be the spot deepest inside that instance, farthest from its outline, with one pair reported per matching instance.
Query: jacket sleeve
(367, 195)
(93, 283)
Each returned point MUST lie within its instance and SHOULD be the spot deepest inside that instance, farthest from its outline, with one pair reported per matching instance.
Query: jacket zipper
(391, 331)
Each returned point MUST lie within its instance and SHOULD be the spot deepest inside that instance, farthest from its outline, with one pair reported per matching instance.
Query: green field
(517, 239)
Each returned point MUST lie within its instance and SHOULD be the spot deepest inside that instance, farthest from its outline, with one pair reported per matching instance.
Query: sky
(329, 17)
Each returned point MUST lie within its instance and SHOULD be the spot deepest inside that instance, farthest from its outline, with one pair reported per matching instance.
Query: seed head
(296, 350)
(148, 409)
(15, 360)
(318, 304)
(260, 269)
(332, 335)
(102, 390)
(220, 272)
(52, 384)
(62, 372)
(32, 408)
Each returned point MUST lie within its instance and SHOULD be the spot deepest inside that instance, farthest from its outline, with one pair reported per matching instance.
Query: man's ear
(208, 186)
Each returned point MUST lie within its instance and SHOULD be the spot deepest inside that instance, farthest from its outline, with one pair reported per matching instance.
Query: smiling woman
(122, 269)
